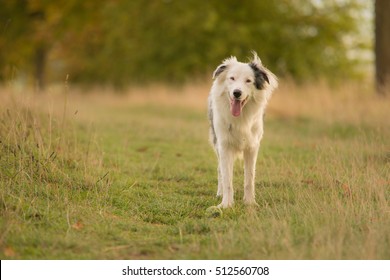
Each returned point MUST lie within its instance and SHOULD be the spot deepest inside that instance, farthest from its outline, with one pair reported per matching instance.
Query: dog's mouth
(236, 106)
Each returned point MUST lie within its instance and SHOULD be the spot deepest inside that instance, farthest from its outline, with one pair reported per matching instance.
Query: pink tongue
(235, 107)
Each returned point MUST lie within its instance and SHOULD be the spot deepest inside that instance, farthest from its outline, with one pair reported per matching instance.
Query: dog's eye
(232, 78)
(248, 81)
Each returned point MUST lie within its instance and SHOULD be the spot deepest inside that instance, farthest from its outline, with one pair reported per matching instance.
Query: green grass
(132, 180)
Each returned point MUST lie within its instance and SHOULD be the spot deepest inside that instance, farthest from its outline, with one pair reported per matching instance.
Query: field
(99, 175)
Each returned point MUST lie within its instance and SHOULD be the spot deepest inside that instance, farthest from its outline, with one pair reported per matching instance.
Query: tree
(382, 45)
(117, 42)
(29, 30)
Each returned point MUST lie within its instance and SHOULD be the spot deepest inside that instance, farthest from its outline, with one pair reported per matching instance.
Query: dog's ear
(256, 59)
(264, 78)
(219, 70)
(260, 76)
(225, 63)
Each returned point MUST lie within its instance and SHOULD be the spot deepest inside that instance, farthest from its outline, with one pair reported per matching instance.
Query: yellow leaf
(78, 225)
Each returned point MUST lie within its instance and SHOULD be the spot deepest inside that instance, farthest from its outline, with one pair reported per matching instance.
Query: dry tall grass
(353, 102)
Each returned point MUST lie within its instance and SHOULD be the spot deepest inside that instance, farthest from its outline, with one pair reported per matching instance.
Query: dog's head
(244, 81)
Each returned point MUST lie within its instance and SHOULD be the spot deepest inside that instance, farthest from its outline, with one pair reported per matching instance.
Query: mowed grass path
(130, 177)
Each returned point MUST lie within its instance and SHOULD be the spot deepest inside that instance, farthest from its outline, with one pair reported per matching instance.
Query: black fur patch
(260, 76)
(211, 120)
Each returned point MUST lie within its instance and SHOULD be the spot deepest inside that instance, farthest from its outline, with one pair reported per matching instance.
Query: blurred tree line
(118, 42)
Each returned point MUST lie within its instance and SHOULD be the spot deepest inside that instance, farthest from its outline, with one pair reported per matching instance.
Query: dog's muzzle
(237, 93)
(236, 104)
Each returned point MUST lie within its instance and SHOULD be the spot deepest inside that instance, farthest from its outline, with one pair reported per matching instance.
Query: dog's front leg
(220, 186)
(226, 161)
(250, 157)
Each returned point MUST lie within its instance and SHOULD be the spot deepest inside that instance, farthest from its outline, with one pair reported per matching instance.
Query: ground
(104, 175)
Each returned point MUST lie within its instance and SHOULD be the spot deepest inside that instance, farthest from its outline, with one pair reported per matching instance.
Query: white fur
(240, 136)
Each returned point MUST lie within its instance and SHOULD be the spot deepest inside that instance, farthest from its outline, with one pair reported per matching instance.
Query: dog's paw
(225, 204)
(220, 191)
(251, 202)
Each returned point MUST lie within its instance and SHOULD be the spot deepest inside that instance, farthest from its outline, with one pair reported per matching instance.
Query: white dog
(237, 101)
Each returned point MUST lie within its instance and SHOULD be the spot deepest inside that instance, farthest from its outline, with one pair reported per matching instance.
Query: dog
(236, 106)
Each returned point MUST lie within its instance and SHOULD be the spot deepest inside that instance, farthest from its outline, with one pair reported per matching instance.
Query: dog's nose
(237, 93)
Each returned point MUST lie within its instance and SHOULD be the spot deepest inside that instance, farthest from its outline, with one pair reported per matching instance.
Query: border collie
(237, 102)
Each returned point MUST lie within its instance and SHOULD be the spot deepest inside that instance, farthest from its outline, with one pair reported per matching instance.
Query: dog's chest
(243, 135)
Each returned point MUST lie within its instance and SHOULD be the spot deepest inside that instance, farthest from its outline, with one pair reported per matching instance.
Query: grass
(103, 176)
